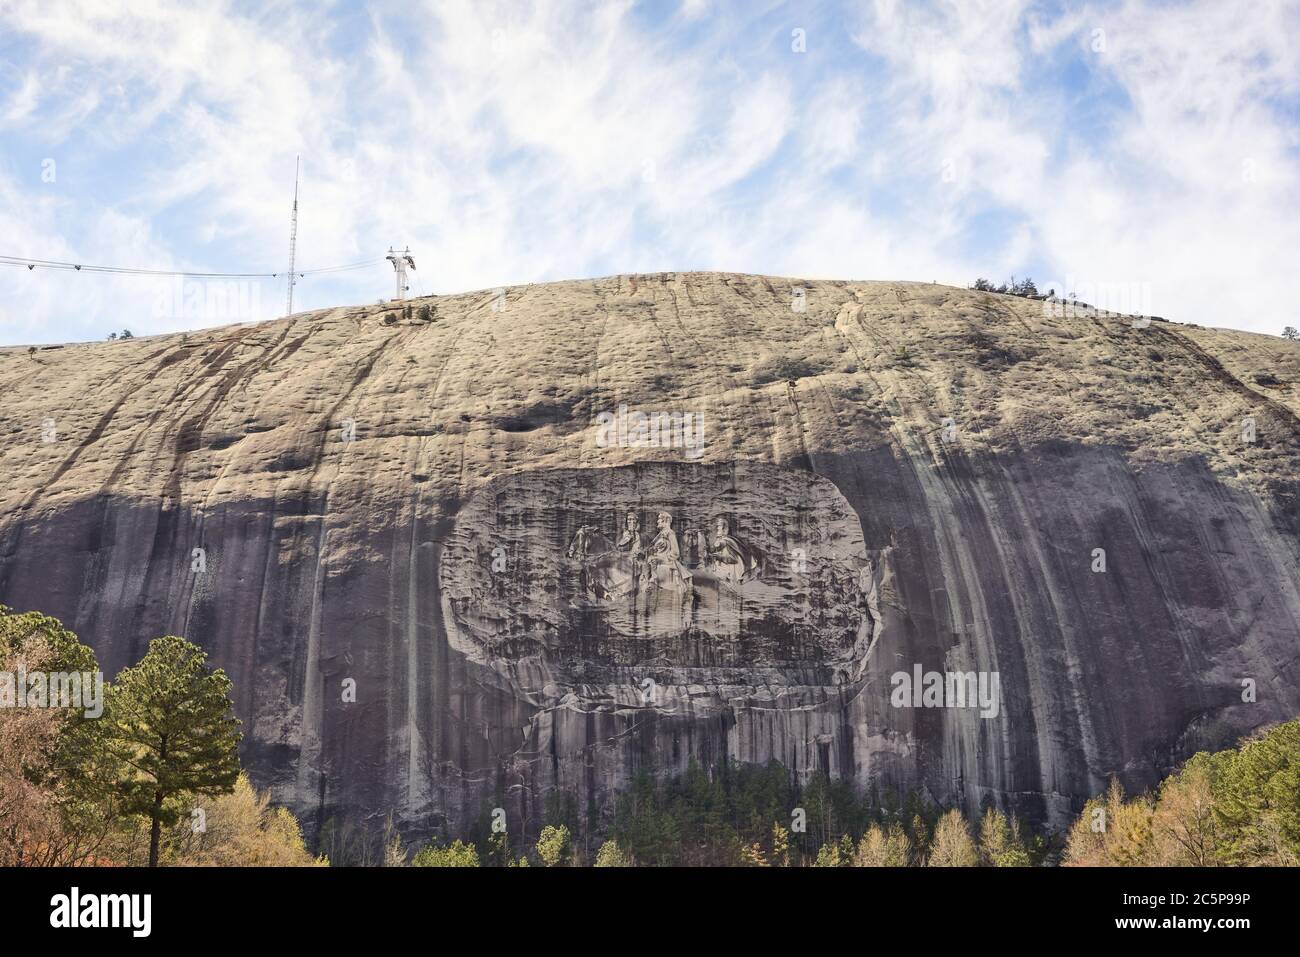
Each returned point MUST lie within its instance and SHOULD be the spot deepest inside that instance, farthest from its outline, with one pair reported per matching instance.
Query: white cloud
(509, 143)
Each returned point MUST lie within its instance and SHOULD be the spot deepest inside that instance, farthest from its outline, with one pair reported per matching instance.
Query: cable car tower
(293, 237)
(400, 261)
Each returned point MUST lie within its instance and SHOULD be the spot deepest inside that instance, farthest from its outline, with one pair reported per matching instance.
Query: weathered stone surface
(758, 569)
(947, 461)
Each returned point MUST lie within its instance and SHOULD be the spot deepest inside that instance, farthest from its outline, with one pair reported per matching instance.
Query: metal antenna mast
(293, 236)
(400, 261)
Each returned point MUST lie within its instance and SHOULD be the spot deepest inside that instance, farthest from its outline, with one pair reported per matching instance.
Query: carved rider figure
(631, 537)
(728, 558)
(663, 560)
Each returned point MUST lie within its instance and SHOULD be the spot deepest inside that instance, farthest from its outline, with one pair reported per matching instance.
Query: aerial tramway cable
(32, 264)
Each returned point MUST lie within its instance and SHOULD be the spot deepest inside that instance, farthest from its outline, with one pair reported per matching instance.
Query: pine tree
(1000, 844)
(1257, 799)
(835, 853)
(171, 721)
(920, 837)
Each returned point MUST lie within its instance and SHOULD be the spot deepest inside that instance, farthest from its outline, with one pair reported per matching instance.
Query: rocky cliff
(575, 530)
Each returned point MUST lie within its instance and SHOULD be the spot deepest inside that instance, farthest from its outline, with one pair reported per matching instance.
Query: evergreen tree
(919, 833)
(1000, 844)
(1257, 799)
(171, 722)
(835, 853)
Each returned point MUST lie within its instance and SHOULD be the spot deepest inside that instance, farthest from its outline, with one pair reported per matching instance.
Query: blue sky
(1144, 155)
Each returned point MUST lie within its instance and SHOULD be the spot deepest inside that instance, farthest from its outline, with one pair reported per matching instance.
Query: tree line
(1237, 807)
(151, 776)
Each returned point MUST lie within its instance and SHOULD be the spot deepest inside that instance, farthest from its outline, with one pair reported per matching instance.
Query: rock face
(550, 540)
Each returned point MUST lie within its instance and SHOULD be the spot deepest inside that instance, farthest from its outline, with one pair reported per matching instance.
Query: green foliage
(424, 313)
(702, 818)
(456, 854)
(77, 788)
(56, 788)
(780, 853)
(999, 841)
(1024, 287)
(63, 650)
(554, 846)
(241, 829)
(170, 720)
(835, 853)
(739, 814)
(561, 808)
(611, 855)
(1236, 807)
(646, 822)
(1256, 792)
(1289, 332)
(918, 833)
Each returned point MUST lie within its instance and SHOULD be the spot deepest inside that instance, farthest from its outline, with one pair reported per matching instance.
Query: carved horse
(606, 572)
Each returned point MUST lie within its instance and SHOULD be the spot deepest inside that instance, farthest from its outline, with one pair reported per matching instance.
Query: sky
(1144, 156)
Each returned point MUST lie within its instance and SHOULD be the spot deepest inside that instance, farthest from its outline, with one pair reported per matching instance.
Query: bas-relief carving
(671, 580)
(709, 572)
